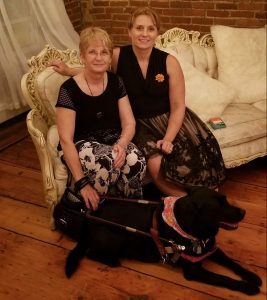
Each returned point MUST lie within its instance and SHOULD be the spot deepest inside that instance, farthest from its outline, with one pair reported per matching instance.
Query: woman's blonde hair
(144, 11)
(90, 34)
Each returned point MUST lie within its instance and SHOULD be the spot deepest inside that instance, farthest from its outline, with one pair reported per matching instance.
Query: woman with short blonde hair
(96, 125)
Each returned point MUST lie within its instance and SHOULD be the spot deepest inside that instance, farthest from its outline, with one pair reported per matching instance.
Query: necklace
(89, 85)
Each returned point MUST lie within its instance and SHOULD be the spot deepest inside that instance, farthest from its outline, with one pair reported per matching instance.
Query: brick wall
(188, 14)
(74, 10)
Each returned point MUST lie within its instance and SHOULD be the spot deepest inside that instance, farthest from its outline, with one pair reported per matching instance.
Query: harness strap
(159, 244)
(155, 236)
(165, 251)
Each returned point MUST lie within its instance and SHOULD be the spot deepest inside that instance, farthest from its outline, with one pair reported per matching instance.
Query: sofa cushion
(261, 105)
(200, 57)
(202, 91)
(206, 96)
(240, 154)
(48, 84)
(244, 123)
(241, 54)
(212, 67)
(205, 59)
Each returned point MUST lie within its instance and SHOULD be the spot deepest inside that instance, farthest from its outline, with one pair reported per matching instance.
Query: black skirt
(196, 159)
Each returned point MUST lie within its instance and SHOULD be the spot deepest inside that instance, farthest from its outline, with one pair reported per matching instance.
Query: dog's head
(203, 211)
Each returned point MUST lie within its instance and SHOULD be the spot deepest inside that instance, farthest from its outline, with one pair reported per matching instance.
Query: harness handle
(104, 221)
(141, 201)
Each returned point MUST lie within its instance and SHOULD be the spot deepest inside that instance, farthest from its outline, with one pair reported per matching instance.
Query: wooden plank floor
(32, 256)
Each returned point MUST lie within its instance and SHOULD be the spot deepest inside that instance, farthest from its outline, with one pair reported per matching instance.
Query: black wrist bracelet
(79, 184)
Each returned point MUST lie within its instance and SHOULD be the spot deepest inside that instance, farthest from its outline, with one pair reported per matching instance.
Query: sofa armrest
(37, 128)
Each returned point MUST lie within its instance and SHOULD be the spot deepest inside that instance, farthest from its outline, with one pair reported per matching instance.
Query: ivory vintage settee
(224, 78)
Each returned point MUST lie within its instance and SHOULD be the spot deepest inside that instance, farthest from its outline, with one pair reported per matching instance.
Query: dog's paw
(252, 278)
(248, 288)
(72, 262)
(251, 289)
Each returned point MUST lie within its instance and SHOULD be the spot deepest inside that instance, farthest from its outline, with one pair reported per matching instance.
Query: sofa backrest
(190, 47)
(40, 85)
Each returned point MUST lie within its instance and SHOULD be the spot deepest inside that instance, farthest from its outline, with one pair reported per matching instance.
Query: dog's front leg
(105, 245)
(221, 258)
(195, 271)
(77, 252)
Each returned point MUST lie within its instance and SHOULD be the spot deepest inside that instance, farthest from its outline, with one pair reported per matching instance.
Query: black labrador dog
(182, 231)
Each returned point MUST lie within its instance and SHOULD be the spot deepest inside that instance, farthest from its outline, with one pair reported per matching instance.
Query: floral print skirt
(196, 159)
(97, 161)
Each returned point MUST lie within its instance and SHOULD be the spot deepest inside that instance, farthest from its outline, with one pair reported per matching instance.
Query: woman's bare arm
(66, 128)
(63, 69)
(115, 58)
(127, 133)
(177, 102)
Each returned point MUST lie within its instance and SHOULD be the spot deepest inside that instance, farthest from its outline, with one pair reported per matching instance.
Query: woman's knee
(153, 166)
(97, 163)
(94, 154)
(135, 162)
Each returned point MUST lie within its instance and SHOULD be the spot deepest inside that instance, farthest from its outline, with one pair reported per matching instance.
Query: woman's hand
(60, 67)
(165, 146)
(90, 196)
(120, 155)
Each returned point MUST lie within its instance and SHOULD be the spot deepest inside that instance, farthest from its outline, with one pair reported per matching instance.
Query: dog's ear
(221, 198)
(185, 212)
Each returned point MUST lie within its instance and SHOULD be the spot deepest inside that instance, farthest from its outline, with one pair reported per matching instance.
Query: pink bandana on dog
(169, 217)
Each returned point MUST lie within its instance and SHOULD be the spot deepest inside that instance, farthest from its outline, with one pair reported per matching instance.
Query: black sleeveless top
(149, 96)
